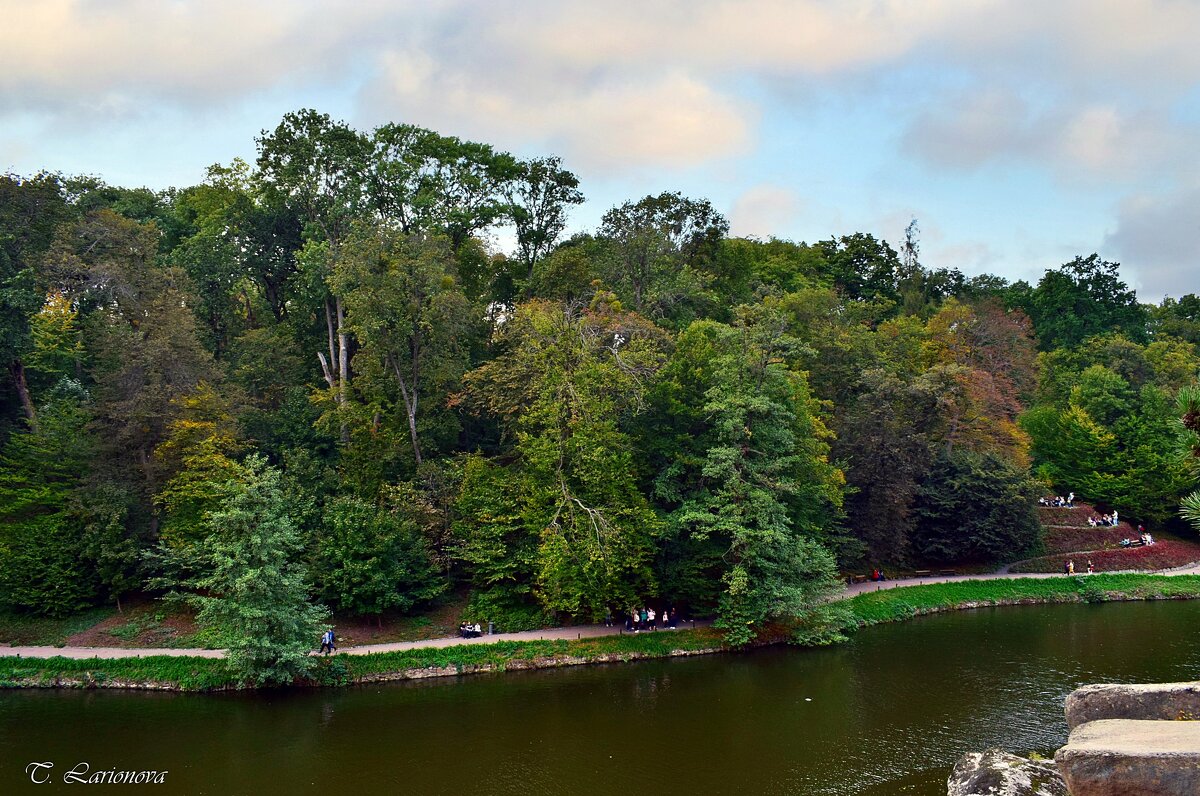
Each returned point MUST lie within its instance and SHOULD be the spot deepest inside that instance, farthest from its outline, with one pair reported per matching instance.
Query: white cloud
(764, 211)
(968, 129)
(615, 122)
(1075, 140)
(1088, 88)
(1157, 240)
(70, 52)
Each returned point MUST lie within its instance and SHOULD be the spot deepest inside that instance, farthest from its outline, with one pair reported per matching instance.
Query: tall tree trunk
(18, 375)
(335, 369)
(343, 365)
(410, 408)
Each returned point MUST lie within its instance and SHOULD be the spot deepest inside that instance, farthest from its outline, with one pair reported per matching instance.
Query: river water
(887, 713)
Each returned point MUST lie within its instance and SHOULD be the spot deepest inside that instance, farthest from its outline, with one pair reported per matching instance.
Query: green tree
(200, 449)
(31, 209)
(974, 507)
(538, 200)
(370, 560)
(663, 246)
(254, 592)
(426, 182)
(495, 544)
(1188, 408)
(862, 267)
(1085, 297)
(565, 381)
(42, 563)
(409, 314)
(318, 169)
(57, 350)
(141, 341)
(883, 443)
(756, 491)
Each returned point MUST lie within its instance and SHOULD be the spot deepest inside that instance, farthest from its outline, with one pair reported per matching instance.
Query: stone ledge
(1161, 701)
(1125, 757)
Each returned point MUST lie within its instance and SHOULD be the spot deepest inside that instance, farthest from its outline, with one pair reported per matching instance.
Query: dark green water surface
(890, 712)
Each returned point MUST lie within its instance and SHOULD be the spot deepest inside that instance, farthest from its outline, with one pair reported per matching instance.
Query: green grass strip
(503, 654)
(870, 608)
(179, 672)
(891, 605)
(205, 674)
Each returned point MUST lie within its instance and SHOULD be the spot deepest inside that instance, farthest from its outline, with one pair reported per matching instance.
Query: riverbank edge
(189, 674)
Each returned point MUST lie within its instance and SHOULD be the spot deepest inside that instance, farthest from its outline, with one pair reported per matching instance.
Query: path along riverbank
(571, 633)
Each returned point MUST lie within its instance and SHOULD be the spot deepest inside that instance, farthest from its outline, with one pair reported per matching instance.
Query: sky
(1018, 134)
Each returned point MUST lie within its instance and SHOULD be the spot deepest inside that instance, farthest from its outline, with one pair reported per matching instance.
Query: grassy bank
(871, 608)
(893, 605)
(207, 674)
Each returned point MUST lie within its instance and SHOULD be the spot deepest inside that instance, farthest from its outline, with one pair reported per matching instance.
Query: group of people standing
(645, 618)
(1109, 520)
(1069, 567)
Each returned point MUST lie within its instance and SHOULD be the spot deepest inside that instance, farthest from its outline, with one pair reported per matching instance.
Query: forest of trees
(318, 367)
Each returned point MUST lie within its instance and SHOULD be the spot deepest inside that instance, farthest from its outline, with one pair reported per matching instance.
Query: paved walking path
(574, 632)
(569, 633)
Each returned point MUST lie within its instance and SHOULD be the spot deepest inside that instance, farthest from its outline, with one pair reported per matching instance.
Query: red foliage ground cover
(1069, 540)
(1166, 554)
(1076, 517)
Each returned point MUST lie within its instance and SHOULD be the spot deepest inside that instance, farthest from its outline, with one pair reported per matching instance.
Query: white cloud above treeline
(605, 78)
(1088, 93)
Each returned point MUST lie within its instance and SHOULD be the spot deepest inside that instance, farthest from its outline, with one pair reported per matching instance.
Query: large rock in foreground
(997, 773)
(1163, 701)
(1123, 757)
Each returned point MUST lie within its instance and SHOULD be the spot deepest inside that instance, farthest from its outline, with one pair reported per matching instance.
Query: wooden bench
(860, 578)
(922, 573)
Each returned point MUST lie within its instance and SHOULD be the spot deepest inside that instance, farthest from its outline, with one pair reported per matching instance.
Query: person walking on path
(328, 642)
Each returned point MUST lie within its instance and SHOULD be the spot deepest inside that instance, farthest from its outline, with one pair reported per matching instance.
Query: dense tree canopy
(320, 364)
